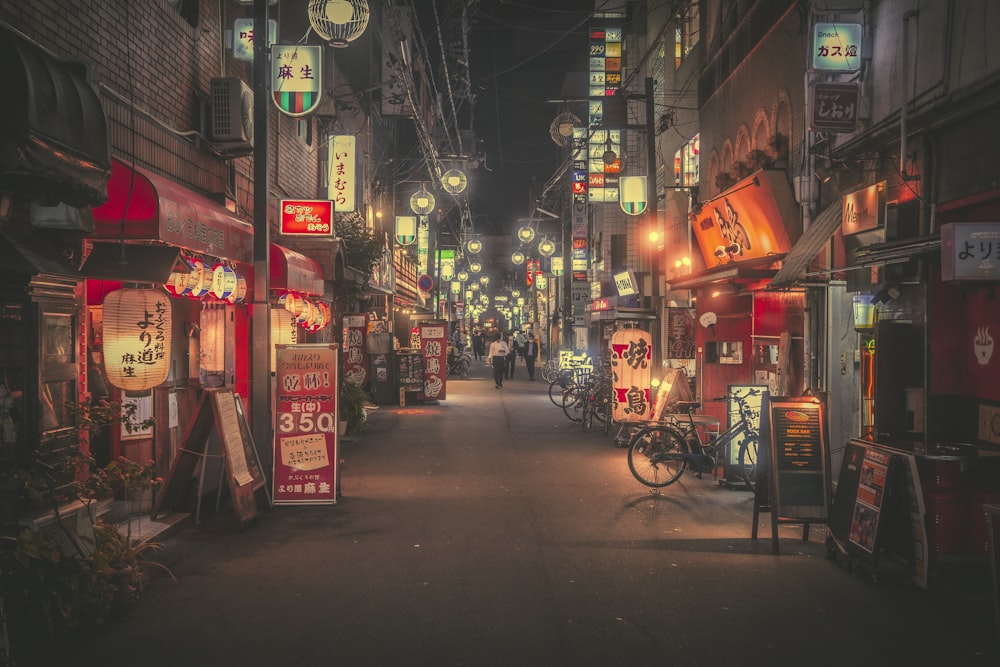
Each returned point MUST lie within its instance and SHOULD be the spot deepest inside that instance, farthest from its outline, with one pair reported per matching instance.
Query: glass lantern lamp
(422, 202)
(864, 312)
(526, 234)
(475, 267)
(546, 248)
(474, 246)
(517, 257)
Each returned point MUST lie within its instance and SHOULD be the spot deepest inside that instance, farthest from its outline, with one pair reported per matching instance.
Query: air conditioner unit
(232, 112)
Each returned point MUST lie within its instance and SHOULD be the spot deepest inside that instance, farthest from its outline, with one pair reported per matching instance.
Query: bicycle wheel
(747, 458)
(574, 402)
(550, 371)
(463, 368)
(646, 456)
(559, 387)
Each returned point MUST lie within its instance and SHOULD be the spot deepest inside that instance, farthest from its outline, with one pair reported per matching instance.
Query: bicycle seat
(687, 406)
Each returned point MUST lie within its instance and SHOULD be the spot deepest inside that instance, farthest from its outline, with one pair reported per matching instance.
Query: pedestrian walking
(511, 356)
(530, 353)
(498, 356)
(478, 345)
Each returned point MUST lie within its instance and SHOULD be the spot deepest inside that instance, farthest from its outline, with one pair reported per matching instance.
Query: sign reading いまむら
(305, 409)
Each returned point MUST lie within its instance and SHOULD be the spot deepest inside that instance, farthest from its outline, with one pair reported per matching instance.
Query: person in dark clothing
(530, 353)
(478, 345)
(511, 356)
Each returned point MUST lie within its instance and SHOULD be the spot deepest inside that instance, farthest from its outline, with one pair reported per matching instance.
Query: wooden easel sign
(305, 427)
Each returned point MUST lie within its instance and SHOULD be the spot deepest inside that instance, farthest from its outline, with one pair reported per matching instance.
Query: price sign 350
(307, 422)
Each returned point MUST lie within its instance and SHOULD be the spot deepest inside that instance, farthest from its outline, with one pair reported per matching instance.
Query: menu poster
(305, 457)
(355, 359)
(868, 504)
(798, 459)
(411, 371)
(681, 333)
(434, 345)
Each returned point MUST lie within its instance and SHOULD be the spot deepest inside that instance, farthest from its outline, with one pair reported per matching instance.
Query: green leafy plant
(364, 251)
(351, 400)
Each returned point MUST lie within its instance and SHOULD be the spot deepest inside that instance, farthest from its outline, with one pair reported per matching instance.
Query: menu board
(800, 476)
(411, 371)
(305, 424)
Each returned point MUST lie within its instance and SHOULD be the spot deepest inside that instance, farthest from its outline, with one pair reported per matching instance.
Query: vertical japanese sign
(243, 37)
(342, 183)
(305, 409)
(631, 369)
(296, 78)
(355, 359)
(434, 345)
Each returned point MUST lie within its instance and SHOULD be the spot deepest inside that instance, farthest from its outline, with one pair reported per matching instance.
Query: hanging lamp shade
(199, 280)
(223, 281)
(463, 275)
(137, 338)
(454, 181)
(474, 246)
(339, 22)
(484, 280)
(422, 202)
(546, 248)
(475, 267)
(526, 234)
(517, 257)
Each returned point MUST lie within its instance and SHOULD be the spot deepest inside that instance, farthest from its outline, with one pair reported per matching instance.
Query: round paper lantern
(517, 257)
(324, 313)
(463, 275)
(293, 303)
(546, 248)
(198, 280)
(308, 314)
(240, 293)
(526, 234)
(475, 267)
(137, 337)
(223, 281)
(474, 246)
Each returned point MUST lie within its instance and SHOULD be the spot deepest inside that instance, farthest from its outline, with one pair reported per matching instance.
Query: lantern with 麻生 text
(137, 336)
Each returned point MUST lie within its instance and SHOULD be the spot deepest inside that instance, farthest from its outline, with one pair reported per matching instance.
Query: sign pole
(260, 375)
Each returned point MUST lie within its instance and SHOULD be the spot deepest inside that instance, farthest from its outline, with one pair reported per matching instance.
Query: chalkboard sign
(411, 371)
(218, 409)
(798, 462)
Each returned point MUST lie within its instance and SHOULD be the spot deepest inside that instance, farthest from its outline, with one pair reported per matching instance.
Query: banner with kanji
(434, 345)
(305, 425)
(353, 354)
(631, 371)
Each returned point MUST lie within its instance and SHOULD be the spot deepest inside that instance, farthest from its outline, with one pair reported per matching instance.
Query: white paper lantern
(137, 338)
(223, 281)
(240, 293)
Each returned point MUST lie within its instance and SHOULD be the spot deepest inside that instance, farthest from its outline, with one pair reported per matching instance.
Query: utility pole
(260, 361)
(653, 222)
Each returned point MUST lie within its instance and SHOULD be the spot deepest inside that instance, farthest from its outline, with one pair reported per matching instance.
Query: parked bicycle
(459, 364)
(660, 452)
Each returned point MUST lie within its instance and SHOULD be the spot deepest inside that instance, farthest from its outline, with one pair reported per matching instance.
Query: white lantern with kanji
(137, 338)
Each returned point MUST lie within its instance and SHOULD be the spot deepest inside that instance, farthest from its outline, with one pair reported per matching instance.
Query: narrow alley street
(489, 530)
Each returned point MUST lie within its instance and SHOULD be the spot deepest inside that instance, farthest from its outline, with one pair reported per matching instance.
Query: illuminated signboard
(296, 78)
(243, 37)
(343, 177)
(306, 217)
(836, 47)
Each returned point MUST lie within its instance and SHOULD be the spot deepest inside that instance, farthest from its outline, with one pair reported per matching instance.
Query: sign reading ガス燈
(305, 409)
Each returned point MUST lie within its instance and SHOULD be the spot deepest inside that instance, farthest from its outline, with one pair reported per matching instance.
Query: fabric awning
(295, 272)
(53, 131)
(155, 208)
(793, 269)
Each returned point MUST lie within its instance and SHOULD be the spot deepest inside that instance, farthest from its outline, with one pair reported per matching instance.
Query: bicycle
(660, 452)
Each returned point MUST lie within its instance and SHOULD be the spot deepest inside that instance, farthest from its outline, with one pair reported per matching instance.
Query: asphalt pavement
(487, 529)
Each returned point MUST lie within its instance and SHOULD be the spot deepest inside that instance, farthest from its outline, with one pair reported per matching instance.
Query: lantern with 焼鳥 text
(631, 366)
(137, 336)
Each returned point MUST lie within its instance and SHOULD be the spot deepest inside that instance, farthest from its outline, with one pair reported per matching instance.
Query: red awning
(295, 272)
(159, 209)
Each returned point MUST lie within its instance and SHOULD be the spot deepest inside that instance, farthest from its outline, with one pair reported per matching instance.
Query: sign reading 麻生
(305, 410)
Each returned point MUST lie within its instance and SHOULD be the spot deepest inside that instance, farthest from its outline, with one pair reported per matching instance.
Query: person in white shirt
(498, 357)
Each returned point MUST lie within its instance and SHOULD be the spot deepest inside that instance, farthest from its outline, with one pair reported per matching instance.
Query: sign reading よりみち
(296, 78)
(305, 458)
(631, 368)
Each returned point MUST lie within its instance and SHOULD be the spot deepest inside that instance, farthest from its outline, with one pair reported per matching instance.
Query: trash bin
(943, 473)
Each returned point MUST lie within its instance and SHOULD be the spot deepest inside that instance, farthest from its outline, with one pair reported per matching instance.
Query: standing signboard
(355, 358)
(631, 369)
(800, 478)
(410, 371)
(434, 345)
(878, 509)
(305, 425)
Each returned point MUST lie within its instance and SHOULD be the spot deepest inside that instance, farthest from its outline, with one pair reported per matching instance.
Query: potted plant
(351, 399)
